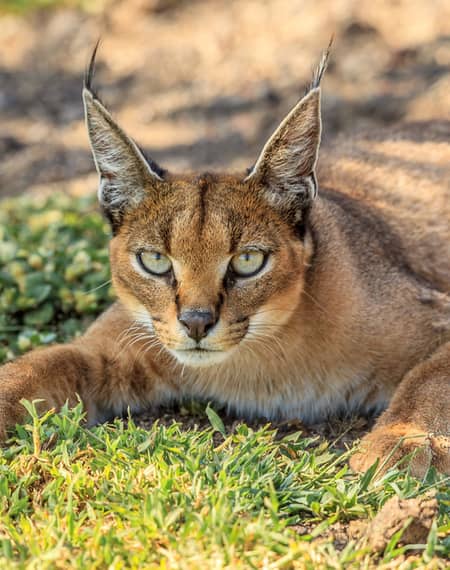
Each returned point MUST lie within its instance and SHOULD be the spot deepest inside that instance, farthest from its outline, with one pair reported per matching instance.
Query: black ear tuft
(89, 73)
(319, 71)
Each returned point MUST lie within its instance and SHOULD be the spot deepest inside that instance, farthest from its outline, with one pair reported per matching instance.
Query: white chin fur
(200, 359)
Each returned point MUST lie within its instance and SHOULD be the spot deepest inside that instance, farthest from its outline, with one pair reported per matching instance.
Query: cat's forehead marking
(205, 218)
(204, 182)
(200, 233)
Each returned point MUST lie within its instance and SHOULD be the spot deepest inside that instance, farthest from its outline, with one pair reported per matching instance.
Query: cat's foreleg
(54, 375)
(117, 365)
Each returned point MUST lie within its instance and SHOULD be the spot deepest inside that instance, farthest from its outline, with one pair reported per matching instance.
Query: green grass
(26, 6)
(118, 496)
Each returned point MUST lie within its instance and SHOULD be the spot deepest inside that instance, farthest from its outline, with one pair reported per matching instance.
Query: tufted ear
(124, 172)
(286, 165)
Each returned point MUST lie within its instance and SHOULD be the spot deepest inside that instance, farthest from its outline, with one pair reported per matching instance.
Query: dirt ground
(339, 432)
(201, 83)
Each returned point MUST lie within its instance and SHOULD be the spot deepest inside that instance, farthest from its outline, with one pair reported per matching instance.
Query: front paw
(400, 444)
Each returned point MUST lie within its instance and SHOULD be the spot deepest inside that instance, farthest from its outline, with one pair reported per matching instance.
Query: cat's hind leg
(416, 423)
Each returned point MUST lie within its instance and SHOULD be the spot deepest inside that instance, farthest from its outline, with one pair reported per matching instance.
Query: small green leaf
(431, 541)
(215, 420)
(41, 316)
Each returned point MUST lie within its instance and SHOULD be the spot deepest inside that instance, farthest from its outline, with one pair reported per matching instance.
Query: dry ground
(200, 84)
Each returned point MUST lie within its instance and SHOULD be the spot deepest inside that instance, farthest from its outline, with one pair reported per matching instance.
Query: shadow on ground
(201, 84)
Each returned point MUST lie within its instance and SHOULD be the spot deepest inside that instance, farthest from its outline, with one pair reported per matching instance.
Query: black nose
(197, 323)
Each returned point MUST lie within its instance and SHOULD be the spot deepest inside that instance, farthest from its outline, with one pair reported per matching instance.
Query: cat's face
(209, 263)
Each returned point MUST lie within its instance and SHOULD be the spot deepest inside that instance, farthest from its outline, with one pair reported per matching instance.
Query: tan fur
(350, 313)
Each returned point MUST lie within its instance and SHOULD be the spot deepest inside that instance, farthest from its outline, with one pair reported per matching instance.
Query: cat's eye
(154, 262)
(248, 263)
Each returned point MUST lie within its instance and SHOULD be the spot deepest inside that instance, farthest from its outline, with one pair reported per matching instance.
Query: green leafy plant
(119, 496)
(54, 271)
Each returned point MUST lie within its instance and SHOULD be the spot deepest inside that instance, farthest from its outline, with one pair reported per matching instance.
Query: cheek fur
(278, 310)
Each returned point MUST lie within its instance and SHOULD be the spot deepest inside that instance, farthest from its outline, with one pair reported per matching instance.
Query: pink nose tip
(197, 323)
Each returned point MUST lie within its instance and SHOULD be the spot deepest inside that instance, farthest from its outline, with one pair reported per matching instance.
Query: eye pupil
(248, 263)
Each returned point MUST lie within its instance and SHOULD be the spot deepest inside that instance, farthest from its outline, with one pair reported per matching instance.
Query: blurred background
(202, 83)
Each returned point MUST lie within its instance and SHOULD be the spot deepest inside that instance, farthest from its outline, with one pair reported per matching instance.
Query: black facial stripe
(229, 278)
(302, 226)
(177, 303)
(219, 304)
(165, 233)
(235, 232)
(203, 185)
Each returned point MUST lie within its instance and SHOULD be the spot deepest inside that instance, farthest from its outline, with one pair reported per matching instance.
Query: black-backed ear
(286, 165)
(124, 172)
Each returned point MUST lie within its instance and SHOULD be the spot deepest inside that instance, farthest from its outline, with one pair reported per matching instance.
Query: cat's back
(403, 175)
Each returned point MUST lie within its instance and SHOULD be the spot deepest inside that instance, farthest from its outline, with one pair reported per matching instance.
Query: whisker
(151, 343)
(97, 288)
(261, 339)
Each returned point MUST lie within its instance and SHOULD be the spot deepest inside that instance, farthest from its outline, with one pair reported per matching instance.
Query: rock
(414, 515)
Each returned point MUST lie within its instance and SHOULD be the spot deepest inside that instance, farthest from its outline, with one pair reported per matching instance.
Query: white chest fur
(279, 389)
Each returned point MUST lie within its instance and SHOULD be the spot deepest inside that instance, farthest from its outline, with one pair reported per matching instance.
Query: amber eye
(154, 262)
(248, 263)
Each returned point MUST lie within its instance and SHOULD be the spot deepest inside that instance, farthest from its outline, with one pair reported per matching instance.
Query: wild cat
(259, 291)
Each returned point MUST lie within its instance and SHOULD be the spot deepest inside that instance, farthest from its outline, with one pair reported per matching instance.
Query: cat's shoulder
(394, 182)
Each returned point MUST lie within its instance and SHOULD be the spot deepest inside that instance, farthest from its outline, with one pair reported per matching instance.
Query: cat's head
(210, 263)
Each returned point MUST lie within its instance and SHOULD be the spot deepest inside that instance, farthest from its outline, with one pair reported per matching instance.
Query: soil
(340, 432)
(200, 84)
(412, 516)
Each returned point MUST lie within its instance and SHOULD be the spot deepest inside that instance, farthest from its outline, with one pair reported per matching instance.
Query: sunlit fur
(350, 312)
